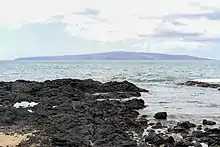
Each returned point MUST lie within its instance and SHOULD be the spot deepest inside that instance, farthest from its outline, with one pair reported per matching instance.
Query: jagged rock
(154, 138)
(186, 125)
(69, 114)
(135, 104)
(158, 125)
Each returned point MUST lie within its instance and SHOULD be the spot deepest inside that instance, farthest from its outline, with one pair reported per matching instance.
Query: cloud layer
(46, 27)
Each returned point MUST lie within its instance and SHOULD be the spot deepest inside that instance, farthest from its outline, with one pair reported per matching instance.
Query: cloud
(88, 12)
(209, 16)
(172, 34)
(160, 26)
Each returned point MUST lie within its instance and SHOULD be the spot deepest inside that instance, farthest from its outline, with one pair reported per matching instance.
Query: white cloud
(121, 11)
(213, 4)
(209, 28)
(118, 20)
(170, 46)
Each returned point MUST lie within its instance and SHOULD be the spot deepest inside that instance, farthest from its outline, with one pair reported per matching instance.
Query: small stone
(179, 129)
(143, 121)
(208, 122)
(199, 127)
(170, 130)
(154, 138)
(158, 125)
(151, 124)
(161, 115)
(151, 130)
(144, 116)
(171, 140)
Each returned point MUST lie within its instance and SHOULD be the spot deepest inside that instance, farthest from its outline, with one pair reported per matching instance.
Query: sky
(66, 27)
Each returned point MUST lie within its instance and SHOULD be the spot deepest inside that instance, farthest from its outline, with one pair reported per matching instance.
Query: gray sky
(48, 27)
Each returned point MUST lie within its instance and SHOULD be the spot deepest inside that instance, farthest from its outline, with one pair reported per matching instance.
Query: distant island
(118, 55)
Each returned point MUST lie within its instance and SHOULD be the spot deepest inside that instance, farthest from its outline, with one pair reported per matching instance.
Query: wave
(213, 106)
(160, 80)
(208, 80)
(196, 102)
(143, 79)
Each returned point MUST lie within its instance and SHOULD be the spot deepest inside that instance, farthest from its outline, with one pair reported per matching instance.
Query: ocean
(159, 77)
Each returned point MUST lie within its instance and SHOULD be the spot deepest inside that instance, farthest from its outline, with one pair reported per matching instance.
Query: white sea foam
(208, 80)
(25, 104)
(30, 111)
(204, 145)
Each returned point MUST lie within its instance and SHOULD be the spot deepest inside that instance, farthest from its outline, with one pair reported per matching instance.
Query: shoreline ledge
(88, 113)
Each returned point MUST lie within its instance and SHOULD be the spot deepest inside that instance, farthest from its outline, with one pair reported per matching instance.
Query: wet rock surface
(183, 134)
(201, 84)
(160, 115)
(208, 122)
(88, 113)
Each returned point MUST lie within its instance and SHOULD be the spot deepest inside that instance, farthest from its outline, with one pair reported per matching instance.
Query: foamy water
(208, 80)
(160, 77)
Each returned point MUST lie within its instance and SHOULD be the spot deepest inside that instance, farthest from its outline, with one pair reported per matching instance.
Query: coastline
(72, 112)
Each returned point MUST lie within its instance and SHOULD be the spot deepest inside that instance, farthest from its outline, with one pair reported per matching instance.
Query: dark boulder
(186, 125)
(158, 125)
(154, 138)
(135, 104)
(208, 122)
(161, 115)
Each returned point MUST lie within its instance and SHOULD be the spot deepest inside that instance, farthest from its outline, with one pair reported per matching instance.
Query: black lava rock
(70, 114)
(160, 115)
(154, 138)
(158, 125)
(208, 122)
(186, 125)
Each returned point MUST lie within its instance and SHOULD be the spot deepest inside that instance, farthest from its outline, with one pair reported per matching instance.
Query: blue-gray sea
(159, 77)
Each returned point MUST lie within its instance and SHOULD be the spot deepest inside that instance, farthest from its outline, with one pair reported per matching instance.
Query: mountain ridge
(117, 55)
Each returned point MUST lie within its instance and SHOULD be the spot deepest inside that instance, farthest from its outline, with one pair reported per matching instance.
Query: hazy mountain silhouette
(118, 55)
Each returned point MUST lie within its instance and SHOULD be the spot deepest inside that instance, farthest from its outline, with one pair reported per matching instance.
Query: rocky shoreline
(88, 113)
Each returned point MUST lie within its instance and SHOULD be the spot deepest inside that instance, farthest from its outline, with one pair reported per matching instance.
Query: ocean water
(159, 77)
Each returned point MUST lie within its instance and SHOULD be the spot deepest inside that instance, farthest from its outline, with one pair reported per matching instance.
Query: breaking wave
(208, 80)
